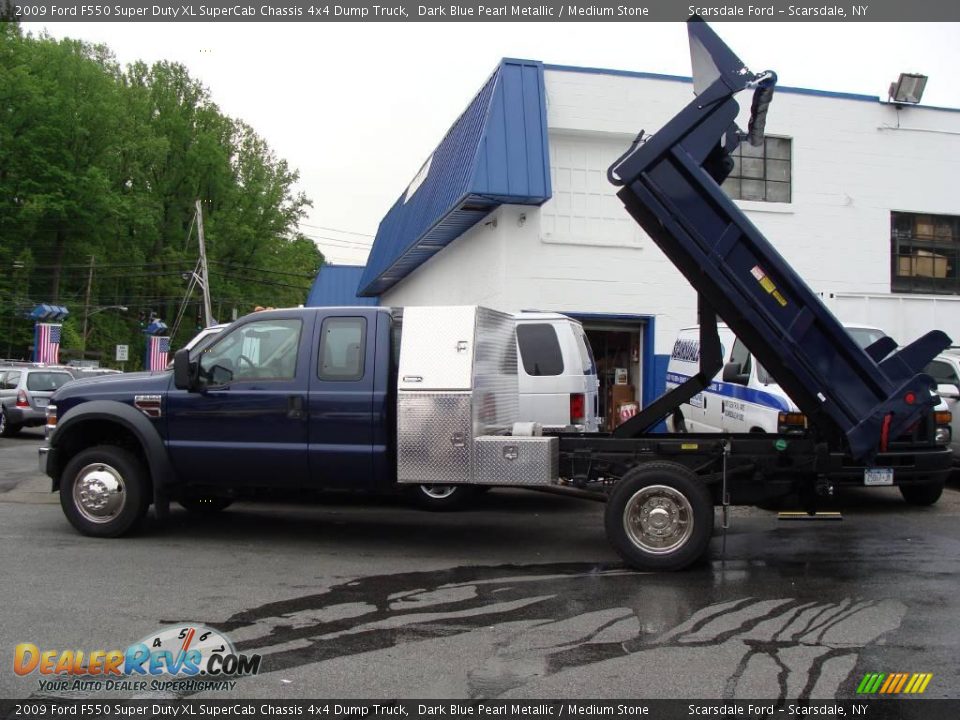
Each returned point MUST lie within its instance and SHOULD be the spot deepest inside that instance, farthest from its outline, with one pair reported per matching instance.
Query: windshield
(865, 337)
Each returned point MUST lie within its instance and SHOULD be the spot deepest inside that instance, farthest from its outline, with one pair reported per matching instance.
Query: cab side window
(261, 350)
(342, 348)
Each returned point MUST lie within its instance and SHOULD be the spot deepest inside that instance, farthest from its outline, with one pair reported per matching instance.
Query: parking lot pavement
(520, 597)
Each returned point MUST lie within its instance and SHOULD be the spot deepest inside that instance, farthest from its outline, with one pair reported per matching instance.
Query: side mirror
(184, 375)
(732, 373)
(948, 391)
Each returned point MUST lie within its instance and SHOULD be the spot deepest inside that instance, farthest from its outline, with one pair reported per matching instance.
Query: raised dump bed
(671, 186)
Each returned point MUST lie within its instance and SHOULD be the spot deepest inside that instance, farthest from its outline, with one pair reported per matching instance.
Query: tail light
(22, 401)
(791, 422)
(578, 408)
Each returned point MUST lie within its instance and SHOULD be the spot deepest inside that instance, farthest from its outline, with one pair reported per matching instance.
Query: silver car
(24, 395)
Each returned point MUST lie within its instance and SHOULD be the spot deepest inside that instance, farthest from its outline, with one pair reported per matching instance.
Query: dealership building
(513, 210)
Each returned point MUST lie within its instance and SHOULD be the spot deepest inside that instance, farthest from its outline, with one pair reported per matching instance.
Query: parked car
(24, 395)
(945, 370)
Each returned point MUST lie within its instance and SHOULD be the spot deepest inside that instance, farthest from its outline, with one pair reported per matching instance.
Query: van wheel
(659, 517)
(104, 491)
(926, 494)
(439, 498)
(679, 423)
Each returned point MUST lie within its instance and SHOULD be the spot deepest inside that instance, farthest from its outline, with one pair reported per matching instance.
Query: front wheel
(104, 491)
(659, 517)
(440, 498)
(926, 494)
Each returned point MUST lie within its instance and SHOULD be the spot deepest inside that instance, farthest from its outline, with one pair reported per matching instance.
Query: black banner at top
(320, 11)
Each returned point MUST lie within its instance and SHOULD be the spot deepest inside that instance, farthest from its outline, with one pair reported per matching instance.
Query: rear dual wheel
(659, 517)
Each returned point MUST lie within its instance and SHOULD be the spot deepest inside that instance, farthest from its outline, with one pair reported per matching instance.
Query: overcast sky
(358, 107)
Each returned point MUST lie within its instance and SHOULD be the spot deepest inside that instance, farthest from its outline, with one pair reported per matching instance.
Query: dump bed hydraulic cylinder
(671, 186)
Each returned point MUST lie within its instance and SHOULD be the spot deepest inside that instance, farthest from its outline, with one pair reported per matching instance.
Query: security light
(908, 89)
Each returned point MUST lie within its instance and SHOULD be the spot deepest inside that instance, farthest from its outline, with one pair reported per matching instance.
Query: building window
(761, 173)
(924, 253)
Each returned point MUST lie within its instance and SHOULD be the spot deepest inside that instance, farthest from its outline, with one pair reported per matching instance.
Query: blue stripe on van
(738, 392)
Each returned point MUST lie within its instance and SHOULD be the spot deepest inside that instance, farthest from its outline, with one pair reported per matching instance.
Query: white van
(748, 401)
(556, 372)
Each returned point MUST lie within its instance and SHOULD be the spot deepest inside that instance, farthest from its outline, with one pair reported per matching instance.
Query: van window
(741, 355)
(586, 352)
(763, 376)
(540, 349)
(942, 373)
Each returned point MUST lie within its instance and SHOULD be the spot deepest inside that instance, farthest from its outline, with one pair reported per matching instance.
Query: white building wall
(851, 166)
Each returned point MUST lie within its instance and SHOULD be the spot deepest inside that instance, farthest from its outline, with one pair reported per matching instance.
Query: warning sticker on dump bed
(767, 284)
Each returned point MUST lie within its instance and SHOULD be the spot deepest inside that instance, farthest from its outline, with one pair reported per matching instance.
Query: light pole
(86, 316)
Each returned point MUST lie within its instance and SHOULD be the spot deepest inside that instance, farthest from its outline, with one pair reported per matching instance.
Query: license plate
(878, 476)
(41, 402)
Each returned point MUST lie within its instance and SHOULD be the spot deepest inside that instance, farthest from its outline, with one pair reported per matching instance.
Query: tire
(104, 491)
(204, 504)
(683, 511)
(8, 429)
(442, 498)
(926, 494)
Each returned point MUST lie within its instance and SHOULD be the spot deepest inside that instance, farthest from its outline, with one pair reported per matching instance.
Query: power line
(330, 229)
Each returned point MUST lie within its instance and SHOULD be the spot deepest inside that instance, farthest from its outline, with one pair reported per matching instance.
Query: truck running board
(671, 186)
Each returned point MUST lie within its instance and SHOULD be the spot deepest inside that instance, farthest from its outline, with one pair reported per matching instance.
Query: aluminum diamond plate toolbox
(434, 441)
(458, 381)
(516, 460)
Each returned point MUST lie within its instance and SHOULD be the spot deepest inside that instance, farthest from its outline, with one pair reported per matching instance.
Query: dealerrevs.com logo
(180, 658)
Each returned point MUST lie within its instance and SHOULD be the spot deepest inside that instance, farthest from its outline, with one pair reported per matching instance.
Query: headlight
(943, 435)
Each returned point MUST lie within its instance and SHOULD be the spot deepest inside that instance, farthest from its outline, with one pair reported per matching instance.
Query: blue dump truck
(379, 398)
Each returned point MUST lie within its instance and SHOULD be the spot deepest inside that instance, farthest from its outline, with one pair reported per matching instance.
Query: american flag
(46, 343)
(157, 349)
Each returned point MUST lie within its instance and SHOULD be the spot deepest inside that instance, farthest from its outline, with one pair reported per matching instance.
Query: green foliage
(106, 163)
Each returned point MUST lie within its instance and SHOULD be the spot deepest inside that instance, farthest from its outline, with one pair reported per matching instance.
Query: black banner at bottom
(870, 708)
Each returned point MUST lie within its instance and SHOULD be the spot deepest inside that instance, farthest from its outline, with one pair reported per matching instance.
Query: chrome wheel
(438, 492)
(658, 519)
(99, 493)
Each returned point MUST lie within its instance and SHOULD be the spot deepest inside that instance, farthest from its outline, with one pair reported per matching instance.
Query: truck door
(341, 400)
(248, 425)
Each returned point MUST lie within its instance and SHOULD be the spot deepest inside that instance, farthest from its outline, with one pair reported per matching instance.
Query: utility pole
(86, 312)
(204, 275)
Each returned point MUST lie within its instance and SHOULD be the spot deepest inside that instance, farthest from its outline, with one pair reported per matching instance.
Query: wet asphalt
(520, 597)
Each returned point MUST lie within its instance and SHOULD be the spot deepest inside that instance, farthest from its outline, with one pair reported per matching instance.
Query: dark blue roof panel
(336, 285)
(495, 153)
